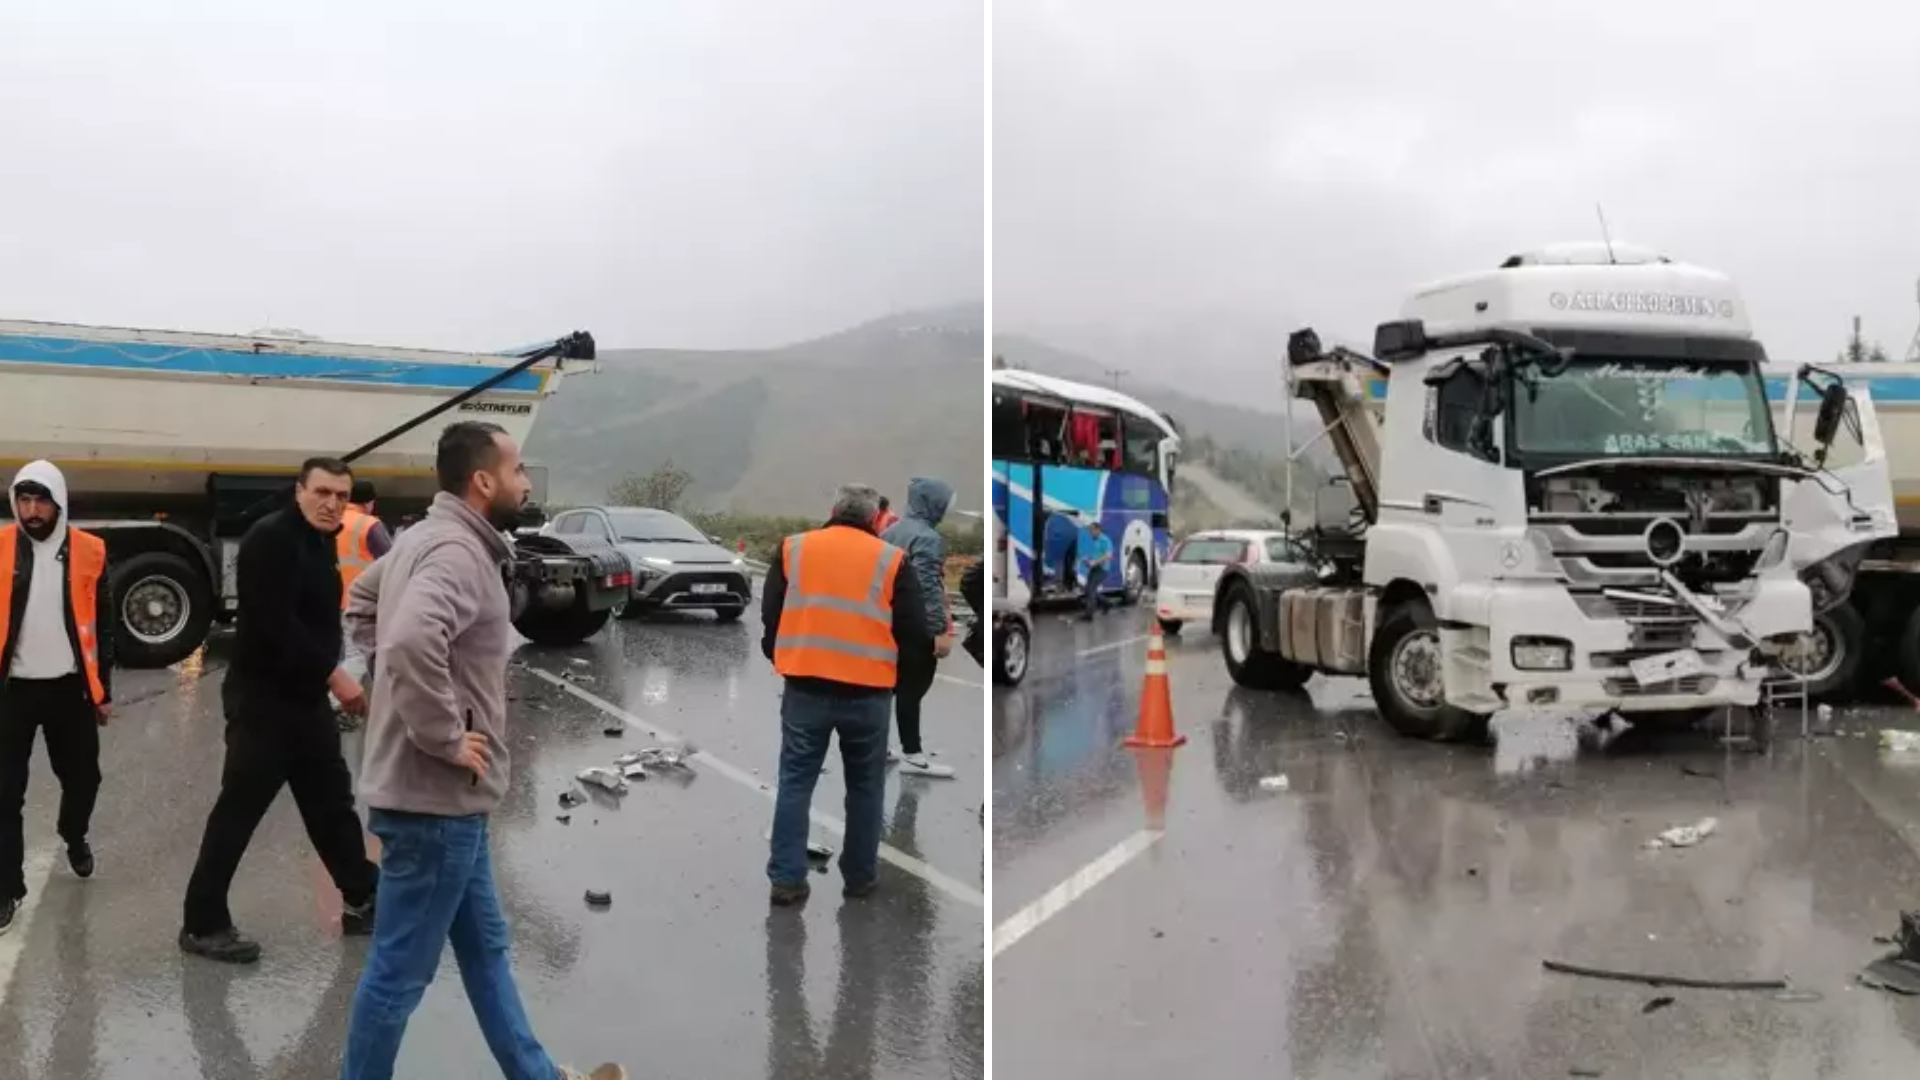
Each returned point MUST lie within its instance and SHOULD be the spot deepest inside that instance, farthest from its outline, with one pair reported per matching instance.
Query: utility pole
(1115, 374)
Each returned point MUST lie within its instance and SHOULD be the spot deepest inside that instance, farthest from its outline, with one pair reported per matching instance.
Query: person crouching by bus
(1096, 556)
(840, 609)
(56, 655)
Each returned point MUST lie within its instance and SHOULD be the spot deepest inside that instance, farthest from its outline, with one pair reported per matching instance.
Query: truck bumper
(1602, 642)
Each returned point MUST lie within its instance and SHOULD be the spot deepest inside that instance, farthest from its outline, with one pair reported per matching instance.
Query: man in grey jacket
(918, 534)
(433, 617)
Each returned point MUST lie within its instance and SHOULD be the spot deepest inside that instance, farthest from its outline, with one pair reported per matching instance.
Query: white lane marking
(38, 869)
(957, 681)
(1112, 645)
(1080, 883)
(917, 867)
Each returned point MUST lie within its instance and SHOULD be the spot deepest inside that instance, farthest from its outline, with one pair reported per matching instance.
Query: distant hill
(774, 431)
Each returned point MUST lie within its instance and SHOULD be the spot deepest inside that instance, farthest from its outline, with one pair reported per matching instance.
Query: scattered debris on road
(571, 798)
(614, 730)
(1655, 980)
(635, 771)
(1274, 783)
(1685, 835)
(564, 819)
(1898, 971)
(1656, 1004)
(598, 899)
(603, 778)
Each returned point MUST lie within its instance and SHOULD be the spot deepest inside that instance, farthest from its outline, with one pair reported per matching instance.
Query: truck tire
(1249, 664)
(558, 629)
(1403, 667)
(1834, 650)
(162, 609)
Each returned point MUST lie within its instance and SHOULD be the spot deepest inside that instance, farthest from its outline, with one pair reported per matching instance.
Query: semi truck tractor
(1570, 494)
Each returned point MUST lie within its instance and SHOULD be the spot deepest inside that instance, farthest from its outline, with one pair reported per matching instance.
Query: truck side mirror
(1833, 409)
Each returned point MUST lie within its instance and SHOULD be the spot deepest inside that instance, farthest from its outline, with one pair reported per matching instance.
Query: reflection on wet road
(1385, 912)
(687, 974)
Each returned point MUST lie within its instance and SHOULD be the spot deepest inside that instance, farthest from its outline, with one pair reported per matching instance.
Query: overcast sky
(701, 172)
(1256, 165)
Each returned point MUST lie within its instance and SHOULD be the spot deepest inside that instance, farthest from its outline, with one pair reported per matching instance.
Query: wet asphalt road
(1387, 914)
(689, 974)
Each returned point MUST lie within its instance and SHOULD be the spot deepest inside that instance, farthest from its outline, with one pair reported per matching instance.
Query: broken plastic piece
(1274, 783)
(1656, 1004)
(564, 819)
(605, 779)
(614, 730)
(663, 757)
(1685, 835)
(635, 771)
(571, 798)
(596, 898)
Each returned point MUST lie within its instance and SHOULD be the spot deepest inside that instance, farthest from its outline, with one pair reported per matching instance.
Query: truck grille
(1692, 684)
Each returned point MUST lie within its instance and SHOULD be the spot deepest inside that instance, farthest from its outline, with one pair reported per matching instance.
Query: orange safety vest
(887, 520)
(350, 543)
(836, 621)
(86, 564)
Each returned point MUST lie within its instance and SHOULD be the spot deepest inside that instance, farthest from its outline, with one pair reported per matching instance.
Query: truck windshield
(1601, 407)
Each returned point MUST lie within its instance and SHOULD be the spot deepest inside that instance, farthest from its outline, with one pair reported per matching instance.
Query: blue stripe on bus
(194, 360)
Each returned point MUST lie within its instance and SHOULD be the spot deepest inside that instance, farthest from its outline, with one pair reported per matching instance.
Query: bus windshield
(1607, 407)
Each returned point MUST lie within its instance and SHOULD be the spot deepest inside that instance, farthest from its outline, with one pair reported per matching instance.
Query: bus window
(1140, 447)
(1009, 429)
(1046, 434)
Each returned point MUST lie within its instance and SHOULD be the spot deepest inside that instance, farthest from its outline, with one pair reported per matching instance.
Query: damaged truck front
(1573, 499)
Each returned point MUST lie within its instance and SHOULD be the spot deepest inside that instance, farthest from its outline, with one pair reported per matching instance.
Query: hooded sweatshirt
(39, 643)
(434, 618)
(918, 534)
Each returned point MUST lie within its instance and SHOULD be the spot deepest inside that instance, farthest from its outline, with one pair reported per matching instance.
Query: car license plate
(709, 587)
(1667, 667)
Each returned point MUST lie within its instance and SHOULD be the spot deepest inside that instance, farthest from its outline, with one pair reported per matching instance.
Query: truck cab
(1572, 496)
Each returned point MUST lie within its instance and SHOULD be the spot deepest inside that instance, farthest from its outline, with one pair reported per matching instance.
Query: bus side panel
(1125, 505)
(1013, 505)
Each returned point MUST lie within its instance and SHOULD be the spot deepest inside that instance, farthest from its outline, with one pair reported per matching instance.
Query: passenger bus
(1066, 454)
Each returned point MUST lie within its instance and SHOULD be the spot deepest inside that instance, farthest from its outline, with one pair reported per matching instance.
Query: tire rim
(1239, 632)
(1136, 577)
(1816, 655)
(1416, 669)
(1013, 654)
(155, 610)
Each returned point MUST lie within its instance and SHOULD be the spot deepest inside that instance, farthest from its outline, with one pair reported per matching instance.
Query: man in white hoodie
(56, 657)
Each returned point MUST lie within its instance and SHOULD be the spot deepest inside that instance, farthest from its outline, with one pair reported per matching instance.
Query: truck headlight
(1542, 654)
(655, 560)
(1774, 553)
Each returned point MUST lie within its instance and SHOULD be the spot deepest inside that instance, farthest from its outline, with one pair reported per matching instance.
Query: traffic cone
(1155, 767)
(1155, 730)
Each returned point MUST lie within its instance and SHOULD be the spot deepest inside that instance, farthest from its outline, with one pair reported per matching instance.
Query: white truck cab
(1574, 498)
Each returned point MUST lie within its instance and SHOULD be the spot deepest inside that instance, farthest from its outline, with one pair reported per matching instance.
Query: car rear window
(1211, 552)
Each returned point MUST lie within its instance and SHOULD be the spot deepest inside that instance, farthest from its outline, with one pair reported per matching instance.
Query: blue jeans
(436, 886)
(1094, 577)
(807, 721)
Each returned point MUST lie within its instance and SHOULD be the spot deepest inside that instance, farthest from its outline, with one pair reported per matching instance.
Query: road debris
(658, 757)
(1685, 835)
(1582, 1070)
(1695, 770)
(614, 730)
(635, 771)
(603, 778)
(564, 819)
(596, 898)
(816, 850)
(1656, 1004)
(1275, 783)
(1654, 980)
(571, 798)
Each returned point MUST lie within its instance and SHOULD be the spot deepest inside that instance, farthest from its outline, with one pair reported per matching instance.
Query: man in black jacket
(280, 725)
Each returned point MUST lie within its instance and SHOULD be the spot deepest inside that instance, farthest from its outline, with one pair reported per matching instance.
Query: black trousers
(271, 743)
(911, 685)
(61, 709)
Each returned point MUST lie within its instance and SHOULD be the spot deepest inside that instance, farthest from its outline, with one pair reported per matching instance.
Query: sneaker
(921, 765)
(80, 857)
(789, 895)
(8, 909)
(609, 1071)
(356, 920)
(228, 946)
(863, 889)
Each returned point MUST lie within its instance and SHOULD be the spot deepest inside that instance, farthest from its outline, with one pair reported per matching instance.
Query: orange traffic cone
(1155, 730)
(1155, 767)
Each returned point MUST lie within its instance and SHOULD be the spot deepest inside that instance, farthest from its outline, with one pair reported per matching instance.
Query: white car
(1193, 570)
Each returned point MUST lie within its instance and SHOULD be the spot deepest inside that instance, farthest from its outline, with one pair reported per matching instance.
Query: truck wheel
(1011, 652)
(1136, 585)
(1829, 657)
(1249, 664)
(162, 609)
(1404, 669)
(557, 629)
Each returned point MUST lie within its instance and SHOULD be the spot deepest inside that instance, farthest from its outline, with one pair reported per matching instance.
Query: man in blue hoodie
(918, 534)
